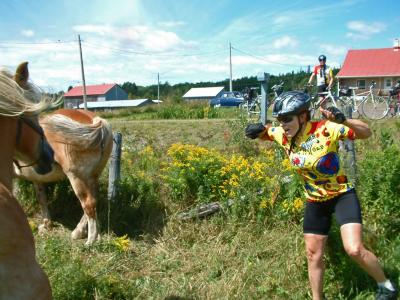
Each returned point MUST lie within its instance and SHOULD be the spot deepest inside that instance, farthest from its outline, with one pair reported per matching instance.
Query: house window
(361, 84)
(388, 83)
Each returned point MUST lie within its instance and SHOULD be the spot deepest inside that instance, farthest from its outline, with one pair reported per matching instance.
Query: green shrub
(241, 143)
(198, 110)
(379, 187)
(198, 175)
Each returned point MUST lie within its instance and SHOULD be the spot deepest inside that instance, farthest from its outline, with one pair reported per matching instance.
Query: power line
(150, 53)
(268, 61)
(35, 43)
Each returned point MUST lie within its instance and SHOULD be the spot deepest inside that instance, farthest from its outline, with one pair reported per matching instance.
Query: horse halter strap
(35, 127)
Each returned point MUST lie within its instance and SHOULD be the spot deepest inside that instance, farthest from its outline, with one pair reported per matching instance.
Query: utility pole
(230, 67)
(158, 88)
(83, 74)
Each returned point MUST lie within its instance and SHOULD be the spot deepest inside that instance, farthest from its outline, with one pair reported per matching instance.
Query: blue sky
(185, 41)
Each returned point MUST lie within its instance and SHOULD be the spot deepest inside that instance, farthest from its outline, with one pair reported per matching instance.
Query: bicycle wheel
(254, 111)
(313, 110)
(375, 108)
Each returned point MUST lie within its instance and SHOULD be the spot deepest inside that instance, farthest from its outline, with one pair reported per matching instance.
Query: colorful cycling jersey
(315, 157)
(323, 73)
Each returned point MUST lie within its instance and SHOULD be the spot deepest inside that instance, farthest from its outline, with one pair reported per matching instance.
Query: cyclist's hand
(254, 131)
(307, 86)
(333, 114)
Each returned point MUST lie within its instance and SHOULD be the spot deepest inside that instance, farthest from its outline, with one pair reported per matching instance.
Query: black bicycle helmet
(291, 103)
(322, 57)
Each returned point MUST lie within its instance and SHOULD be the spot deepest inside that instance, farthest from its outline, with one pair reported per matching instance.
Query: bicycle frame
(365, 95)
(372, 107)
(325, 97)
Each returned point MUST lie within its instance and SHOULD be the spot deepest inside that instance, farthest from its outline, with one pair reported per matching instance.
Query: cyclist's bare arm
(311, 78)
(361, 129)
(330, 83)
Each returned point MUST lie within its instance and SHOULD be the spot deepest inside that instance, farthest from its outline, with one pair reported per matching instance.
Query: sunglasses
(285, 119)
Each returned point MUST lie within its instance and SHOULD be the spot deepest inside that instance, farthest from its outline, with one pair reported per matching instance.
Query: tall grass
(253, 251)
(186, 110)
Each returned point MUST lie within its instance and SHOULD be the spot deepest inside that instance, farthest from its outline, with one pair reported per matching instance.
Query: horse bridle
(36, 127)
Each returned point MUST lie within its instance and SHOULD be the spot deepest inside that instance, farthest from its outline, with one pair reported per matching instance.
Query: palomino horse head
(19, 108)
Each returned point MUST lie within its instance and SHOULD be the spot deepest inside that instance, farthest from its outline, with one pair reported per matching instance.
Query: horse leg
(80, 230)
(40, 189)
(85, 191)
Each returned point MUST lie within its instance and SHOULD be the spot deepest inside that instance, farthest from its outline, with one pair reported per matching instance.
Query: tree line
(173, 93)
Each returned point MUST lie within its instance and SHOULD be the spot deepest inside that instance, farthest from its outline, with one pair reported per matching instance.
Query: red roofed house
(361, 67)
(94, 93)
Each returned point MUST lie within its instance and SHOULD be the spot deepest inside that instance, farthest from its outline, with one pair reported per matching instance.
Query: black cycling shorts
(322, 88)
(317, 215)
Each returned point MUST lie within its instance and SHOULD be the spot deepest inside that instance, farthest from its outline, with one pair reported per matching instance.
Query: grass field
(151, 254)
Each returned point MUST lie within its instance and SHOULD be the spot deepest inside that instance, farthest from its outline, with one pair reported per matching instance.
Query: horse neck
(7, 150)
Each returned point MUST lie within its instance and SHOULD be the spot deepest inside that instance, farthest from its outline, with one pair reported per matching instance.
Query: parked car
(227, 99)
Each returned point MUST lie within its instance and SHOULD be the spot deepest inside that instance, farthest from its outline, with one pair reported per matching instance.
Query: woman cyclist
(312, 151)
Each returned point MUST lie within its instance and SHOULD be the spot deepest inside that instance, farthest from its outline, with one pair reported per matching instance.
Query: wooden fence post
(115, 166)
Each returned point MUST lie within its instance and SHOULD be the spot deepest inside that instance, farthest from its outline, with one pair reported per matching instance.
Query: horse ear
(22, 74)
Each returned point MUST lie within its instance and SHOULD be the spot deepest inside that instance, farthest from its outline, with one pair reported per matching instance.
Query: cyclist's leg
(348, 216)
(315, 247)
(322, 89)
(317, 222)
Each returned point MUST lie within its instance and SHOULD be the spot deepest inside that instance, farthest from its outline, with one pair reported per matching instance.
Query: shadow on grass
(131, 213)
(173, 297)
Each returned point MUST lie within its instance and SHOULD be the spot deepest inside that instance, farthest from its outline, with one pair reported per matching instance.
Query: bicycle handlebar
(277, 86)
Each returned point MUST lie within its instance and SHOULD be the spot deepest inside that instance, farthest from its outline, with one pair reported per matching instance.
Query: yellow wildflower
(122, 243)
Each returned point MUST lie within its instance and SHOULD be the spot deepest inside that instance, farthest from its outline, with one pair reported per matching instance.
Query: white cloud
(141, 38)
(285, 42)
(291, 61)
(238, 60)
(27, 32)
(334, 50)
(282, 20)
(360, 30)
(356, 36)
(96, 29)
(170, 24)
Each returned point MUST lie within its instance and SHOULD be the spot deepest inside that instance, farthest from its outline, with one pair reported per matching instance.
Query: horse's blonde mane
(82, 136)
(15, 101)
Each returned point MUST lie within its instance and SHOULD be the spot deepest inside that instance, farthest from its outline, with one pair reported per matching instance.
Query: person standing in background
(324, 75)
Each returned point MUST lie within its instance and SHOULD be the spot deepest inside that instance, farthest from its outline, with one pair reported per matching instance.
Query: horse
(82, 143)
(21, 277)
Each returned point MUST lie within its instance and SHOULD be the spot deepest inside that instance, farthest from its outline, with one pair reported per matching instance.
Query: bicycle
(251, 104)
(277, 90)
(372, 107)
(348, 98)
(325, 100)
(394, 101)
